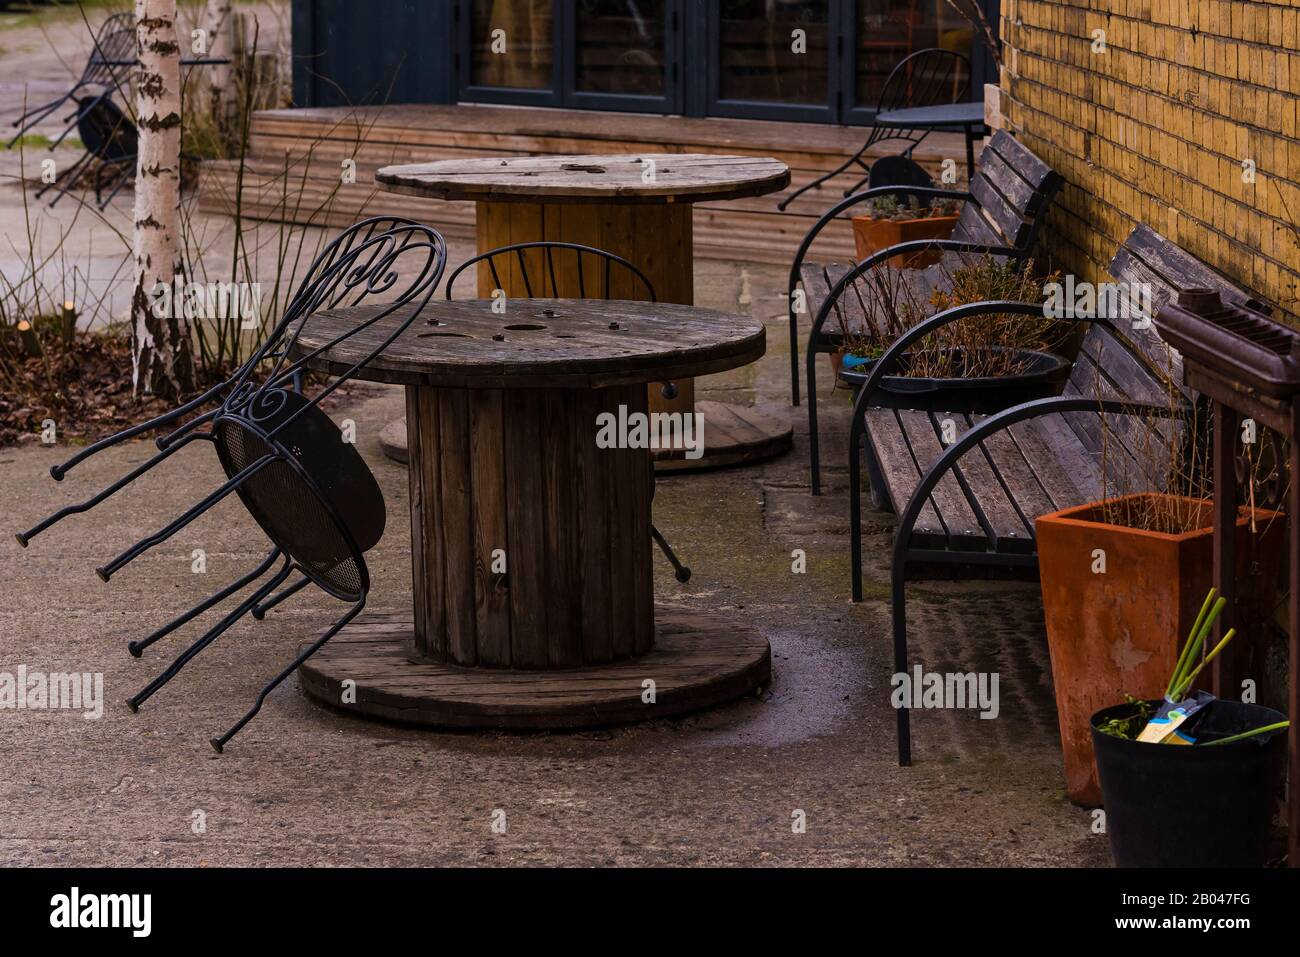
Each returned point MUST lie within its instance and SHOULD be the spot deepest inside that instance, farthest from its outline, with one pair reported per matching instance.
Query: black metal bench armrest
(904, 249)
(928, 191)
(1004, 419)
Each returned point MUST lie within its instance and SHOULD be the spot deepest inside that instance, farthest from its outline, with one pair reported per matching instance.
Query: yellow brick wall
(1156, 129)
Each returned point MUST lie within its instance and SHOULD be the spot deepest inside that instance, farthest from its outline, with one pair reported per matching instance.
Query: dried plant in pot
(982, 363)
(1122, 577)
(890, 220)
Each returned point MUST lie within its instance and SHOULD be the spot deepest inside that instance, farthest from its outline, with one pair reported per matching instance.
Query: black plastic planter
(1041, 376)
(1189, 805)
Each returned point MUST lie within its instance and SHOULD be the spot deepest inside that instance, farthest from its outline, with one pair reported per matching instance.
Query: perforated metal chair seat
(317, 501)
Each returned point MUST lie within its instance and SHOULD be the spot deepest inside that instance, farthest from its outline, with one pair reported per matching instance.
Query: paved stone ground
(303, 785)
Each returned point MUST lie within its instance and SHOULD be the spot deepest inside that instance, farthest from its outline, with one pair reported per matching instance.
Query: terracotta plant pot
(872, 235)
(1119, 631)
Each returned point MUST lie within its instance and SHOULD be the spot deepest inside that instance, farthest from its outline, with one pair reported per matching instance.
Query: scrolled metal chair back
(373, 258)
(515, 257)
(926, 78)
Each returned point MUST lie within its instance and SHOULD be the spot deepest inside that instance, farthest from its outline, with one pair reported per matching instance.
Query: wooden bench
(973, 501)
(1001, 215)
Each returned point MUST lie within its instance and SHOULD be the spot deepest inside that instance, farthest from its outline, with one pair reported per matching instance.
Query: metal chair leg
(814, 459)
(105, 572)
(683, 573)
(857, 186)
(36, 114)
(71, 172)
(855, 158)
(215, 632)
(260, 611)
(57, 472)
(794, 350)
(163, 441)
(75, 117)
(137, 647)
(61, 514)
(123, 178)
(855, 510)
(899, 593)
(220, 743)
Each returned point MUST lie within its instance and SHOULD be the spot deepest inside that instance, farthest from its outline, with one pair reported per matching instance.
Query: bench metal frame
(904, 552)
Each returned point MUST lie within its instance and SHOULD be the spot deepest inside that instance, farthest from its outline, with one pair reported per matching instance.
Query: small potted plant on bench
(1187, 779)
(889, 220)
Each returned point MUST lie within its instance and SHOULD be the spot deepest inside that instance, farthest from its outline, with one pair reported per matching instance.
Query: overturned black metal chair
(363, 235)
(600, 281)
(114, 45)
(925, 78)
(111, 139)
(305, 486)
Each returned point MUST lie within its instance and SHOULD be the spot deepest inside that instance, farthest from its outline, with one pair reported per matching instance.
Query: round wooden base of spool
(699, 661)
(733, 435)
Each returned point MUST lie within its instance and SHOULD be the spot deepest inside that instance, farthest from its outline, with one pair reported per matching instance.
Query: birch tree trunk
(163, 360)
(218, 25)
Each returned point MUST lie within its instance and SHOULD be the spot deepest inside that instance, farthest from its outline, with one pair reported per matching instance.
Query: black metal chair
(313, 293)
(925, 78)
(109, 137)
(306, 487)
(541, 254)
(113, 45)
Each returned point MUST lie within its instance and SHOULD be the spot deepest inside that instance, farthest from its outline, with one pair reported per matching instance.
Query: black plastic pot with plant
(1190, 780)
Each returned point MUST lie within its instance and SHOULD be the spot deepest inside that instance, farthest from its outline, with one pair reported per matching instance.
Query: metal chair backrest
(114, 46)
(532, 267)
(369, 259)
(926, 78)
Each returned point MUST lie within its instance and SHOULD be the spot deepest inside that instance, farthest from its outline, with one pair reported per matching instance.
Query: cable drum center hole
(525, 327)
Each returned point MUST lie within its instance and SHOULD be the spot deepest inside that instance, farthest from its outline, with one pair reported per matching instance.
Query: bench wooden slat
(1063, 467)
(901, 474)
(1147, 256)
(1013, 226)
(984, 489)
(1024, 197)
(816, 286)
(1028, 497)
(1032, 169)
(964, 528)
(972, 227)
(859, 319)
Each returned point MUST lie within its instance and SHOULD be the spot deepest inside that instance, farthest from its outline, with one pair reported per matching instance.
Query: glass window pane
(889, 30)
(620, 46)
(510, 43)
(764, 59)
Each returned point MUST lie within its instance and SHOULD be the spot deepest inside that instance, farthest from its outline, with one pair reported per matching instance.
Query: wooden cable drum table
(637, 206)
(530, 529)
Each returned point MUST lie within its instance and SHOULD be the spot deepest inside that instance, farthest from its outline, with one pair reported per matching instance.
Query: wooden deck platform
(297, 171)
